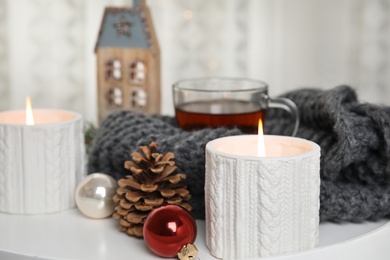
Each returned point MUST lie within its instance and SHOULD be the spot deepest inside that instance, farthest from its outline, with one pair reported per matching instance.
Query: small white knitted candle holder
(261, 206)
(41, 164)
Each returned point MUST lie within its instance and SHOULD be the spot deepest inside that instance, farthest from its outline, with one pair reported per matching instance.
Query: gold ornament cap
(188, 252)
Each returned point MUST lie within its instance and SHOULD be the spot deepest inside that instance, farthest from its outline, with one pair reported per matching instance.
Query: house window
(114, 97)
(138, 98)
(113, 70)
(137, 72)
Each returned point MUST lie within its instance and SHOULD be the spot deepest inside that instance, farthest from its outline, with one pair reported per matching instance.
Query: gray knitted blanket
(354, 140)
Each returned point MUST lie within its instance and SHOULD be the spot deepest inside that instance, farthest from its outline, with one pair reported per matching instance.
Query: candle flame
(29, 114)
(260, 140)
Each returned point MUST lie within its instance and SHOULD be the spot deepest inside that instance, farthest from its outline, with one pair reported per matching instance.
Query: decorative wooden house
(128, 61)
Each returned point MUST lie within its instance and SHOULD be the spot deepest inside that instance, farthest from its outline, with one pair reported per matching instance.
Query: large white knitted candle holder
(41, 164)
(261, 206)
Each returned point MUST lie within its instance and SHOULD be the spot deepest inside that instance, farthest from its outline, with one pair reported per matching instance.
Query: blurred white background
(47, 47)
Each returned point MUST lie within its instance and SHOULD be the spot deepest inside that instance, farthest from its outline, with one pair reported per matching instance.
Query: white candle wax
(275, 146)
(261, 206)
(41, 164)
(41, 117)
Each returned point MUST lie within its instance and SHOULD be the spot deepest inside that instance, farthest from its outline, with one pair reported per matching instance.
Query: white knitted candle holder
(41, 164)
(261, 206)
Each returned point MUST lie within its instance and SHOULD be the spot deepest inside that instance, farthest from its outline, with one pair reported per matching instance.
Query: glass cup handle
(289, 106)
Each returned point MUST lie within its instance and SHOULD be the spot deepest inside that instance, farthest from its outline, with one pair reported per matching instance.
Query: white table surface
(70, 235)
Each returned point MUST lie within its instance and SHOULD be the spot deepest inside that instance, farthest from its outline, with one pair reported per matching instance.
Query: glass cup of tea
(226, 102)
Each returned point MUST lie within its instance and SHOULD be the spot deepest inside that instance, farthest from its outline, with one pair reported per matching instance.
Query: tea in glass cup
(226, 102)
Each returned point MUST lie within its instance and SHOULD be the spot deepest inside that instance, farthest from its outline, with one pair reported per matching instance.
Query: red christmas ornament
(170, 230)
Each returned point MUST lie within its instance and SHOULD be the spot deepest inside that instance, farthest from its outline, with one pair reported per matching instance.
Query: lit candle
(261, 200)
(42, 159)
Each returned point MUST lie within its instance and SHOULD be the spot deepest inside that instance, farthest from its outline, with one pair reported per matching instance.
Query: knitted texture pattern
(354, 140)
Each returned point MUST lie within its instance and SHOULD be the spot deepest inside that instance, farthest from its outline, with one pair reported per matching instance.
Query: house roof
(126, 27)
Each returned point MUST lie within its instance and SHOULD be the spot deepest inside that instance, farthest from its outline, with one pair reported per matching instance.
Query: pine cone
(153, 183)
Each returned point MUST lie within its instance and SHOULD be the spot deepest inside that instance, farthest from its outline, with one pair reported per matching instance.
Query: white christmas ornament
(94, 195)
